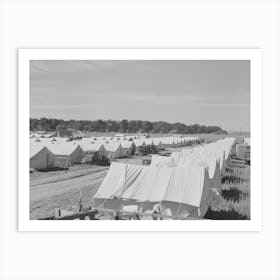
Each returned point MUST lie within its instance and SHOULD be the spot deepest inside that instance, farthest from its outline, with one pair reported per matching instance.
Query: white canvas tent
(157, 142)
(185, 189)
(211, 163)
(127, 147)
(84, 142)
(139, 142)
(113, 149)
(94, 147)
(163, 161)
(49, 140)
(66, 153)
(40, 157)
(95, 150)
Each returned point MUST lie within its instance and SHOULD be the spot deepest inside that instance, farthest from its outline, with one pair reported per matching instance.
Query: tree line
(123, 126)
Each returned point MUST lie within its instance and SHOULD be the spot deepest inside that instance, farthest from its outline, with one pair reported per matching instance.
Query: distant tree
(146, 126)
(179, 128)
(125, 126)
(132, 126)
(101, 125)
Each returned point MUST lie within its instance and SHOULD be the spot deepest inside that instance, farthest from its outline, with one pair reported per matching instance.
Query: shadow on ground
(233, 194)
(224, 215)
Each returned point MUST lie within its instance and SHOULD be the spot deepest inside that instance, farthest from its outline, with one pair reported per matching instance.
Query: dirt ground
(62, 188)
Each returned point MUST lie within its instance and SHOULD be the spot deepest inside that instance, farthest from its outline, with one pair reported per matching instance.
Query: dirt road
(49, 190)
(63, 190)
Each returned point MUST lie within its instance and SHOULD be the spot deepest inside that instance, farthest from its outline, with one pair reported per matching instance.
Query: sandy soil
(62, 189)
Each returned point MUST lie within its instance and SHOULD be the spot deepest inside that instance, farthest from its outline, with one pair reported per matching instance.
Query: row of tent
(42, 134)
(47, 153)
(178, 185)
(160, 141)
(212, 156)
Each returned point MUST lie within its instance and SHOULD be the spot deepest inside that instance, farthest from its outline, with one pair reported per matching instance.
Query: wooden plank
(120, 213)
(78, 215)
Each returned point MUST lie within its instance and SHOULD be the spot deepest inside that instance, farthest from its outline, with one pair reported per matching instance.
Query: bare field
(48, 191)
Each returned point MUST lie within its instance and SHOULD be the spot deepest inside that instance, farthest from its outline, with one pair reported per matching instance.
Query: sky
(204, 92)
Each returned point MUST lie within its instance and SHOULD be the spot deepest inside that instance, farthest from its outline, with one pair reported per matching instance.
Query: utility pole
(57, 131)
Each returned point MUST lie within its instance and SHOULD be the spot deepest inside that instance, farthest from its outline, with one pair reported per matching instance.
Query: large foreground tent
(178, 191)
(163, 161)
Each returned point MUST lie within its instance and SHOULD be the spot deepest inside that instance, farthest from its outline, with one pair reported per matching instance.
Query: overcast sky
(203, 92)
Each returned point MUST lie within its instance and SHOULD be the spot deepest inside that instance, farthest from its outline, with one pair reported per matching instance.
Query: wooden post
(57, 212)
(79, 208)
